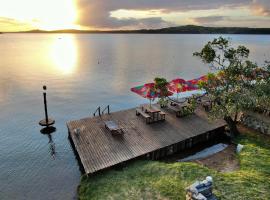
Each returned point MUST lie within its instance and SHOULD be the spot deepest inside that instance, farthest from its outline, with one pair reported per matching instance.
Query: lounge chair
(177, 101)
(113, 127)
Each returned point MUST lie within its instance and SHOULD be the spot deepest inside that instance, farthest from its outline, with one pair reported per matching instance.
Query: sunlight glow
(42, 14)
(64, 54)
(61, 16)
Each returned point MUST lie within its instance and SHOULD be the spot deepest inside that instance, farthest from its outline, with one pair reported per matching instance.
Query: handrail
(106, 108)
(98, 109)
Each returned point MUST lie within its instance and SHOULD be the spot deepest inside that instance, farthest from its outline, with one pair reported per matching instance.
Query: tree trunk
(232, 125)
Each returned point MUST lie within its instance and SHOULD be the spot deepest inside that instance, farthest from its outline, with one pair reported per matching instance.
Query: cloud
(224, 21)
(154, 22)
(145, 23)
(260, 7)
(96, 13)
(9, 24)
(8, 21)
(209, 19)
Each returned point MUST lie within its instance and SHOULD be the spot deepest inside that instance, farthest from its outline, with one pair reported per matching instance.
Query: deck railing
(106, 108)
(97, 110)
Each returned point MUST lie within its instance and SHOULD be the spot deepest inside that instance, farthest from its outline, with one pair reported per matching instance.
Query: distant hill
(213, 30)
(188, 29)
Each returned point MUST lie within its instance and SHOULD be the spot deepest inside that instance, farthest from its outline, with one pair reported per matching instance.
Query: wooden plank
(99, 149)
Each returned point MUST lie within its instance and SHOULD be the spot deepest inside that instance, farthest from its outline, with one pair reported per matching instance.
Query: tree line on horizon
(188, 29)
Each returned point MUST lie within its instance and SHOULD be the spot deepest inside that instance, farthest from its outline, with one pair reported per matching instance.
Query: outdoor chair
(113, 127)
(177, 101)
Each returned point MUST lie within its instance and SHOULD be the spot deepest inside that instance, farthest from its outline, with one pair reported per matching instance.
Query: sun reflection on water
(64, 54)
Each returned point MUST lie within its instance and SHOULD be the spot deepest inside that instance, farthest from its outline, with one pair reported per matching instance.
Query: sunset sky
(19, 15)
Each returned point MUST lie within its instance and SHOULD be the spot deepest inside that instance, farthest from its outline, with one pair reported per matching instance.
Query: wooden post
(45, 104)
(47, 121)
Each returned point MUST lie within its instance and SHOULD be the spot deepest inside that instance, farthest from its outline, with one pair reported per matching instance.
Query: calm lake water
(82, 72)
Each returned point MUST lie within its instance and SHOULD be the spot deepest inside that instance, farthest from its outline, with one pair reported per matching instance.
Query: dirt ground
(223, 161)
(226, 161)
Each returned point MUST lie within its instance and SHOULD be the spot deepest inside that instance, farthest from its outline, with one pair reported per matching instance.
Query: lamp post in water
(47, 121)
(45, 104)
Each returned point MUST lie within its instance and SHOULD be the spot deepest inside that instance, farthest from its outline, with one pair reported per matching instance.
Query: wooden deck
(98, 149)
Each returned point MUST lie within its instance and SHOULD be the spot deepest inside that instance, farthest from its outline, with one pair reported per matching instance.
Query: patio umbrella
(193, 84)
(196, 81)
(148, 91)
(177, 86)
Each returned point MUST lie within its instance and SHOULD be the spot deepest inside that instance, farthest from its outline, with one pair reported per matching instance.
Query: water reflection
(48, 131)
(51, 146)
(4, 90)
(64, 54)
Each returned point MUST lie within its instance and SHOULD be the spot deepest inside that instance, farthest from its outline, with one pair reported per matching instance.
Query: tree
(162, 89)
(261, 89)
(237, 83)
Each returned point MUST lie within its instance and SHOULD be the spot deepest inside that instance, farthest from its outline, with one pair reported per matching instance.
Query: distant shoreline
(189, 29)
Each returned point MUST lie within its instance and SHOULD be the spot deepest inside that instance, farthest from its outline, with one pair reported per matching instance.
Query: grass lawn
(159, 180)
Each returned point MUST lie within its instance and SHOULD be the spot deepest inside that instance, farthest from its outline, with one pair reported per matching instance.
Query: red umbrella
(148, 91)
(194, 83)
(177, 86)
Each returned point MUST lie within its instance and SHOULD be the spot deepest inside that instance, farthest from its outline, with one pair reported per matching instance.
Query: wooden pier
(98, 149)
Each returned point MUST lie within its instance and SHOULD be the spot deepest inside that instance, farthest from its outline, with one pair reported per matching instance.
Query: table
(154, 112)
(178, 108)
